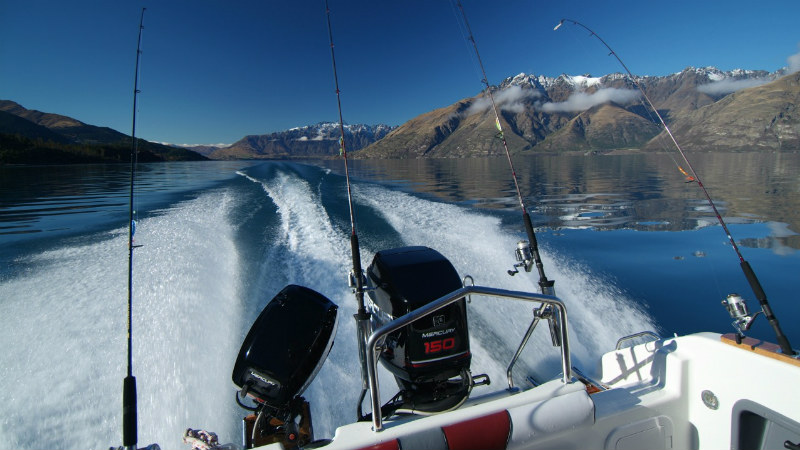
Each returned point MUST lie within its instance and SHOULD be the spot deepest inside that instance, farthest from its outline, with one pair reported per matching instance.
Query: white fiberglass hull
(693, 392)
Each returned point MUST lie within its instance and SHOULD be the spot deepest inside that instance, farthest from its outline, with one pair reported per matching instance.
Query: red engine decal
(439, 345)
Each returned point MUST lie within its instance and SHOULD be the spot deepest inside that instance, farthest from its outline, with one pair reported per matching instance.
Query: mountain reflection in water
(638, 191)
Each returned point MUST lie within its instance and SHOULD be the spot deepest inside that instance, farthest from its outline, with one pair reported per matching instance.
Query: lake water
(630, 245)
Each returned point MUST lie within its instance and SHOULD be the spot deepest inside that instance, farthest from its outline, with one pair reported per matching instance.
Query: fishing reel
(742, 320)
(524, 255)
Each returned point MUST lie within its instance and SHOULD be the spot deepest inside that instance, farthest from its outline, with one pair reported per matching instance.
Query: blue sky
(213, 72)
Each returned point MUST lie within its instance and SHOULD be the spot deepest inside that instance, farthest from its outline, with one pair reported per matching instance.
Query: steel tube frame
(377, 336)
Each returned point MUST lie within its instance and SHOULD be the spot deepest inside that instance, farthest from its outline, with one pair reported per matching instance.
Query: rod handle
(357, 272)
(129, 427)
(526, 218)
(755, 285)
(546, 285)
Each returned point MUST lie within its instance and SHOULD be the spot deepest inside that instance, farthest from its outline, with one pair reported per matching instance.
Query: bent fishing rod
(524, 251)
(362, 317)
(755, 285)
(129, 419)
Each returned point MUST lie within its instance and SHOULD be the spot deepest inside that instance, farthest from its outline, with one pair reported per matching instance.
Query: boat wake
(196, 294)
(64, 325)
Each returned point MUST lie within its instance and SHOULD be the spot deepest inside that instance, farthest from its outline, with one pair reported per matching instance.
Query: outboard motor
(281, 355)
(429, 358)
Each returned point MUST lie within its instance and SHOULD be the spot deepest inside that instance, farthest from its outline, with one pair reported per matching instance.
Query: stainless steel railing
(378, 336)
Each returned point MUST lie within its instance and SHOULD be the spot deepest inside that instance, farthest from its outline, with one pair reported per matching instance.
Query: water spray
(783, 341)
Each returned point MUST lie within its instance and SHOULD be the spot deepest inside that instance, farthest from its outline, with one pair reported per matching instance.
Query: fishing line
(666, 128)
(533, 247)
(138, 82)
(343, 151)
(755, 285)
(362, 317)
(129, 421)
(586, 53)
(465, 39)
(660, 139)
(650, 116)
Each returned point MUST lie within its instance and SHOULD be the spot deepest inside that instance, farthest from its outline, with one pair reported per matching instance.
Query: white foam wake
(64, 333)
(309, 251)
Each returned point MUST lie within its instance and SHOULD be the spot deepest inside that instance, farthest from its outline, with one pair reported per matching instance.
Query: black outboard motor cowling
(429, 358)
(281, 355)
(286, 345)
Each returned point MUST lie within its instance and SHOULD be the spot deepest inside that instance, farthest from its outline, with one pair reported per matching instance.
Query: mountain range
(710, 110)
(312, 141)
(707, 110)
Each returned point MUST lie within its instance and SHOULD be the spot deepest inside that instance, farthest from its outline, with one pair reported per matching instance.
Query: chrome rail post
(522, 344)
(378, 335)
(372, 379)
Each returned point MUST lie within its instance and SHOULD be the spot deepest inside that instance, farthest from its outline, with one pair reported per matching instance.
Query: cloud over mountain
(794, 62)
(510, 99)
(729, 85)
(581, 101)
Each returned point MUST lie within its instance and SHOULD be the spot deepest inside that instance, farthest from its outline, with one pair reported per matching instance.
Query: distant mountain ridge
(35, 137)
(13, 124)
(72, 129)
(312, 141)
(202, 149)
(582, 113)
(708, 110)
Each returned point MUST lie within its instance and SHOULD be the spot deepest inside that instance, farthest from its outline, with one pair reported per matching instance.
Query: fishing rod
(129, 419)
(362, 317)
(755, 285)
(526, 253)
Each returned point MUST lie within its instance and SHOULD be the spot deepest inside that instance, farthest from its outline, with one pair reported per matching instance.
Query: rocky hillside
(764, 117)
(600, 114)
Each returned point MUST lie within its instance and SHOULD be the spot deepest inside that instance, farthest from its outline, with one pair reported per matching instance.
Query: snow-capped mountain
(586, 113)
(543, 114)
(701, 75)
(311, 141)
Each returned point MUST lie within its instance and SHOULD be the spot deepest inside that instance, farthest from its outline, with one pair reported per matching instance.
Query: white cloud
(509, 99)
(794, 62)
(726, 86)
(581, 101)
